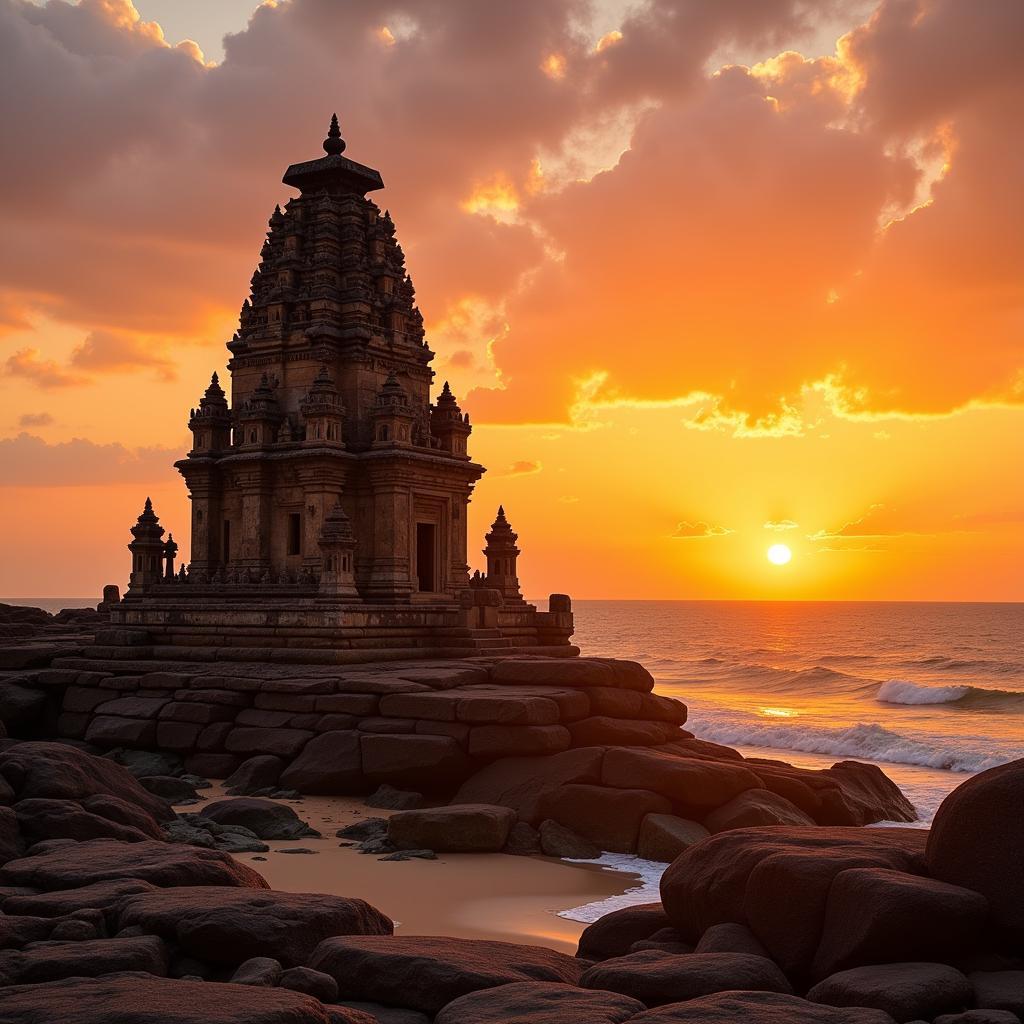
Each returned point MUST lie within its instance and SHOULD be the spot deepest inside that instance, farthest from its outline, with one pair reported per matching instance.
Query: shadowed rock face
(758, 1008)
(537, 1002)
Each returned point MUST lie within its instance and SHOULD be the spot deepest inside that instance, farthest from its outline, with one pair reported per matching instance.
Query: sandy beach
(484, 896)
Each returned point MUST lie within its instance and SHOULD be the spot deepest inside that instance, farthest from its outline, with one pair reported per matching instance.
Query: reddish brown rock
(664, 836)
(268, 819)
(51, 962)
(229, 925)
(427, 972)
(562, 672)
(614, 934)
(730, 938)
(538, 1002)
(329, 763)
(999, 991)
(286, 743)
(597, 730)
(976, 839)
(420, 762)
(463, 828)
(754, 808)
(758, 1008)
(12, 844)
(609, 817)
(516, 740)
(868, 795)
(99, 895)
(66, 819)
(522, 782)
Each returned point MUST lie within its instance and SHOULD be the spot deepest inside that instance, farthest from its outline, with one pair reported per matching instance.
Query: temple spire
(334, 144)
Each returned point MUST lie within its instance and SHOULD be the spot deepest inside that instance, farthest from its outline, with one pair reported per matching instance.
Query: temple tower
(147, 550)
(501, 554)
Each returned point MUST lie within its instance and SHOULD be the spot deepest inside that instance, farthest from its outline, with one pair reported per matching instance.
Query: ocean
(930, 692)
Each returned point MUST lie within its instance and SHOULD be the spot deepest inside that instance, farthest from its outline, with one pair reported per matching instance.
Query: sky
(709, 275)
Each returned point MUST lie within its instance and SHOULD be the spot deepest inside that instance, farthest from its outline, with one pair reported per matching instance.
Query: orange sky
(708, 276)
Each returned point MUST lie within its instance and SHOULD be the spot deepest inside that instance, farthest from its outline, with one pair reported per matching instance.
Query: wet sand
(481, 896)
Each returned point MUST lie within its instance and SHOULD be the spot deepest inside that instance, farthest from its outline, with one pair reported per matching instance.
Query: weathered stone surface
(619, 703)
(979, 1017)
(976, 839)
(558, 841)
(118, 999)
(538, 1002)
(195, 712)
(730, 938)
(61, 772)
(999, 990)
(875, 916)
(313, 983)
(180, 737)
(758, 1008)
(614, 934)
(664, 836)
(286, 743)
(169, 787)
(522, 782)
(560, 672)
(143, 763)
(12, 843)
(909, 991)
(523, 839)
(210, 765)
(418, 761)
(99, 860)
(599, 729)
(426, 972)
(753, 808)
(267, 819)
(50, 962)
(465, 828)
(133, 707)
(345, 703)
(260, 772)
(689, 781)
(66, 819)
(515, 740)
(99, 895)
(609, 817)
(20, 707)
(656, 978)
(388, 798)
(259, 971)
(329, 763)
(868, 795)
(109, 731)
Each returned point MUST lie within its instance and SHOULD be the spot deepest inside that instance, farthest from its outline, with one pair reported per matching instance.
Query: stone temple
(329, 496)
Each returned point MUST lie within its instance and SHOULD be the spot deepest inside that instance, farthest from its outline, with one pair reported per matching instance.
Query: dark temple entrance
(426, 556)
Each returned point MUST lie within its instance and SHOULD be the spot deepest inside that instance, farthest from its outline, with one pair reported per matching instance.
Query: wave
(902, 691)
(941, 663)
(865, 741)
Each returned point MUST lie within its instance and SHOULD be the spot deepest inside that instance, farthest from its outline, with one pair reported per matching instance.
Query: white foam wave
(865, 741)
(647, 891)
(902, 691)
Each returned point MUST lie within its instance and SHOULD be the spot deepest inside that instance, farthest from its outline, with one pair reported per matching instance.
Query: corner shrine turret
(332, 492)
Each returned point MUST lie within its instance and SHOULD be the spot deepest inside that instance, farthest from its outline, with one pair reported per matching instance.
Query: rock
(979, 1017)
(875, 916)
(664, 836)
(377, 1013)
(214, 766)
(368, 828)
(118, 999)
(229, 925)
(614, 934)
(730, 938)
(976, 839)
(144, 763)
(538, 1002)
(609, 817)
(410, 855)
(313, 983)
(753, 808)
(561, 672)
(17, 932)
(388, 798)
(268, 820)
(113, 808)
(757, 1008)
(515, 740)
(558, 841)
(427, 762)
(298, 849)
(426, 972)
(66, 819)
(522, 782)
(109, 731)
(99, 860)
(169, 787)
(329, 763)
(869, 795)
(524, 840)
(74, 930)
(465, 828)
(999, 990)
(599, 730)
(20, 707)
(58, 771)
(50, 962)
(259, 971)
(904, 991)
(656, 978)
(689, 781)
(12, 843)
(254, 773)
(100, 895)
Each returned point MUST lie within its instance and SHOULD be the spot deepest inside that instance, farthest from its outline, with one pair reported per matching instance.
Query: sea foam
(902, 691)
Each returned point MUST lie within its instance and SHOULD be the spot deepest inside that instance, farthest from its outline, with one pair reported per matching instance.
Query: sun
(779, 554)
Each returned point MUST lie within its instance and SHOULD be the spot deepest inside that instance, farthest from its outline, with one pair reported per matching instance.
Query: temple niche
(329, 496)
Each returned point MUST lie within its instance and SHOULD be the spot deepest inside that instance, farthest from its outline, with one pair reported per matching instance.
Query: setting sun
(779, 554)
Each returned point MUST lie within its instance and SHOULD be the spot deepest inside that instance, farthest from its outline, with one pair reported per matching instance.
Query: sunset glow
(766, 293)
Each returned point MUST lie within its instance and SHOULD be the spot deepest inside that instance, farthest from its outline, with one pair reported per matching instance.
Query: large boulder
(627, 732)
(910, 991)
(875, 915)
(421, 762)
(868, 795)
(427, 972)
(656, 978)
(999, 990)
(976, 841)
(522, 782)
(12, 843)
(66, 819)
(758, 1008)
(51, 961)
(754, 808)
(259, 772)
(609, 817)
(229, 925)
(138, 998)
(558, 841)
(58, 771)
(539, 1002)
(688, 781)
(464, 828)
(99, 896)
(269, 820)
(100, 860)
(329, 763)
(614, 934)
(664, 836)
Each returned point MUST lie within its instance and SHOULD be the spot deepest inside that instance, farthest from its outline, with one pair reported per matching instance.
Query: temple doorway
(426, 556)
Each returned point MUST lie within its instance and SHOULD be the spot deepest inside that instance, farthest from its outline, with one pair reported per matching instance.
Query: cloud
(781, 524)
(693, 530)
(36, 419)
(104, 351)
(523, 467)
(29, 461)
(29, 364)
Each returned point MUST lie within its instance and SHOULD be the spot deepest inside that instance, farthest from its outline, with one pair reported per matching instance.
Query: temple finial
(334, 144)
